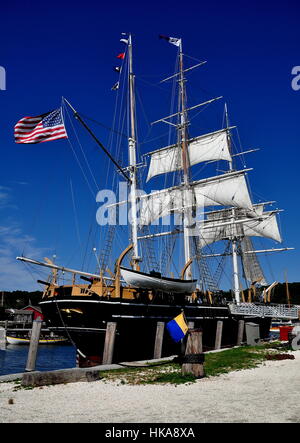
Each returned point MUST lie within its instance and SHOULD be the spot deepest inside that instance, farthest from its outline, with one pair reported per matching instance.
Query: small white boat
(43, 341)
(155, 282)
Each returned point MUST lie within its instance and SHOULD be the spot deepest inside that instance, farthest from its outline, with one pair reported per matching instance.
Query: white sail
(208, 147)
(227, 190)
(213, 231)
(267, 228)
(231, 191)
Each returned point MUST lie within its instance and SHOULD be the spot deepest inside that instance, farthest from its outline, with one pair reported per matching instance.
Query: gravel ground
(267, 394)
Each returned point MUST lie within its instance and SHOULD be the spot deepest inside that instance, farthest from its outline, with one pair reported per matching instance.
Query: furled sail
(251, 266)
(227, 190)
(208, 147)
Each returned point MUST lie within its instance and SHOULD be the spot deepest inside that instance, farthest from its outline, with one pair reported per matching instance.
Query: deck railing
(263, 310)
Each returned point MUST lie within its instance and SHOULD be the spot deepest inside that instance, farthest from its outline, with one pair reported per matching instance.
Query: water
(50, 357)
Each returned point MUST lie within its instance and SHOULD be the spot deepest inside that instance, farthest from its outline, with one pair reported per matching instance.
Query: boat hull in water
(150, 281)
(43, 341)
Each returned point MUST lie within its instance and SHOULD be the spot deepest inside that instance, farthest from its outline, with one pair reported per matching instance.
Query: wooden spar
(111, 273)
(264, 295)
(78, 117)
(216, 225)
(60, 268)
(185, 70)
(46, 283)
(188, 109)
(189, 140)
(243, 296)
(54, 271)
(209, 297)
(251, 252)
(188, 263)
(249, 295)
(287, 290)
(269, 250)
(101, 283)
(270, 289)
(118, 274)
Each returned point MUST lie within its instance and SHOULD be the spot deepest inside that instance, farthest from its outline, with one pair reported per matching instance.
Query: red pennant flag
(121, 56)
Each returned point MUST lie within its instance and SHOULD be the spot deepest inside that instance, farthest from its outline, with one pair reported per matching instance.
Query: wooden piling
(60, 376)
(33, 346)
(219, 331)
(2, 339)
(160, 327)
(191, 325)
(240, 335)
(109, 343)
(194, 358)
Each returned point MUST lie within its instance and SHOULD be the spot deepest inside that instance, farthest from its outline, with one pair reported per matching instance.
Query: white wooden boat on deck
(154, 281)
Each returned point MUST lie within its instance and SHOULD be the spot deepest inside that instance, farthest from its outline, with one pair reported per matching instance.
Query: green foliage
(279, 293)
(19, 299)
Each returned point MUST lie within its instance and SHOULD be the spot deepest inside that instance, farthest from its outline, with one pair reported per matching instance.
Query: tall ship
(182, 238)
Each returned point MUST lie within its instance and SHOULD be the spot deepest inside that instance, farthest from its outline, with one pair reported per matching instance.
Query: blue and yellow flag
(177, 327)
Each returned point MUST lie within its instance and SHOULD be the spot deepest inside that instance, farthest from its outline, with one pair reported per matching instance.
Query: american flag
(40, 129)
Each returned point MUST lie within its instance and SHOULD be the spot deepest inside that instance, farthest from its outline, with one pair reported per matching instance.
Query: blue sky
(56, 49)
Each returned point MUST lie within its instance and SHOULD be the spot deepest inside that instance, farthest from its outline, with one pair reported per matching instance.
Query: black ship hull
(84, 319)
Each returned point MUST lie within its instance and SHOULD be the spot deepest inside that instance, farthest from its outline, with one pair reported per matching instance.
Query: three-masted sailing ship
(145, 292)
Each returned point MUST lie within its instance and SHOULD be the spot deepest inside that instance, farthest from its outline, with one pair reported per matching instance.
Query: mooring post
(219, 331)
(194, 358)
(2, 339)
(109, 343)
(240, 335)
(191, 325)
(160, 327)
(33, 346)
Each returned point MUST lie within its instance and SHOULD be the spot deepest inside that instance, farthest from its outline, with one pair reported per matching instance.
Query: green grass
(233, 360)
(215, 364)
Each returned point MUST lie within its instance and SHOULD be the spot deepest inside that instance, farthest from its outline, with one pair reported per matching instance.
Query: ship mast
(235, 267)
(185, 161)
(132, 159)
